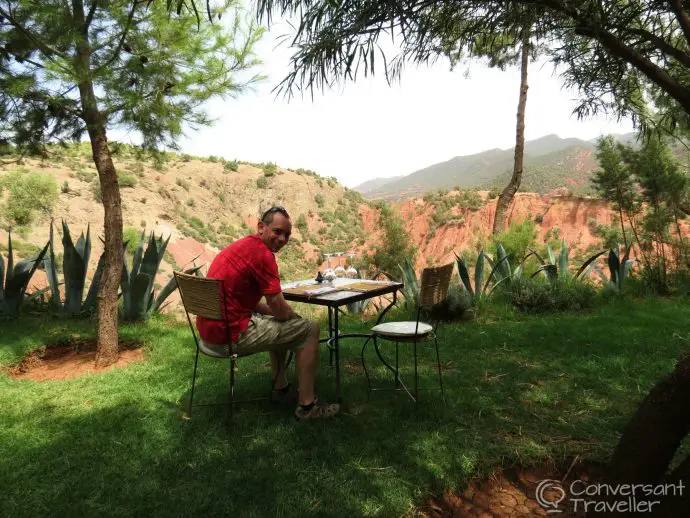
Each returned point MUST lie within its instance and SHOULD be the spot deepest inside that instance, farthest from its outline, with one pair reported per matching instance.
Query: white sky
(369, 129)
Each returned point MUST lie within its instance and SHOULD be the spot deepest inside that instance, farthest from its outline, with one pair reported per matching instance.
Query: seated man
(249, 272)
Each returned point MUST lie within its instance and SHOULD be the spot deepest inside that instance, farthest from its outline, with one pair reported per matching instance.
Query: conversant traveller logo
(581, 496)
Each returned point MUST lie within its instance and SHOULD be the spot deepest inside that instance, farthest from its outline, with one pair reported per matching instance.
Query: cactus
(75, 263)
(14, 280)
(139, 300)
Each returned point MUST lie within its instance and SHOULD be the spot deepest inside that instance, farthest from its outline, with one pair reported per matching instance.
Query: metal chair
(205, 297)
(433, 290)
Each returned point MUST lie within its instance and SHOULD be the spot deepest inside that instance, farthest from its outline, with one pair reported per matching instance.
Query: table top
(340, 292)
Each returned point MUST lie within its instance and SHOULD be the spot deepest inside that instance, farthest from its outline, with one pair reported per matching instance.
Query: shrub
(262, 182)
(319, 199)
(126, 180)
(457, 301)
(191, 202)
(517, 239)
(96, 191)
(537, 295)
(230, 165)
(270, 169)
(65, 187)
(182, 183)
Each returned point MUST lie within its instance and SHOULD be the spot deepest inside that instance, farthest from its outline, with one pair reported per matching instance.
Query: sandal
(317, 411)
(283, 396)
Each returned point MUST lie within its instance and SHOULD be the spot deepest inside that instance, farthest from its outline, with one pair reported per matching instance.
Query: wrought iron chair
(433, 290)
(203, 297)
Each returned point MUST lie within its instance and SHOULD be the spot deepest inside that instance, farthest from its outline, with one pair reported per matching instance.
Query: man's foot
(288, 393)
(317, 410)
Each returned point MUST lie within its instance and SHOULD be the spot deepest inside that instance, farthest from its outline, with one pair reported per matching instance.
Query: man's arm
(278, 307)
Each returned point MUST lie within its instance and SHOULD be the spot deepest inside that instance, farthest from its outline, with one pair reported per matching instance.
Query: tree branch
(120, 43)
(47, 50)
(89, 17)
(682, 17)
(663, 46)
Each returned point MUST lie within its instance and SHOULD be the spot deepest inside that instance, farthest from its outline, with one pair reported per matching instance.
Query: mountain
(550, 162)
(375, 183)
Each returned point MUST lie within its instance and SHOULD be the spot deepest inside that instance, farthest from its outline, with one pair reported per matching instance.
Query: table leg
(338, 395)
(330, 335)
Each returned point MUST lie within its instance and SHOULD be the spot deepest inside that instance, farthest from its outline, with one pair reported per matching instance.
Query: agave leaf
(16, 286)
(90, 301)
(501, 255)
(552, 256)
(624, 270)
(51, 273)
(588, 262)
(491, 275)
(517, 273)
(410, 281)
(613, 266)
(535, 254)
(140, 295)
(162, 245)
(563, 271)
(464, 274)
(602, 275)
(2, 278)
(550, 271)
(136, 261)
(83, 245)
(74, 270)
(10, 260)
(126, 285)
(38, 293)
(169, 288)
(479, 275)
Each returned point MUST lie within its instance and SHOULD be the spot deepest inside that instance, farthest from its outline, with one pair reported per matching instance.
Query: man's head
(274, 228)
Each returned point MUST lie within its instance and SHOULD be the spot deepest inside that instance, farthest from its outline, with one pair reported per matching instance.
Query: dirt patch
(68, 359)
(512, 493)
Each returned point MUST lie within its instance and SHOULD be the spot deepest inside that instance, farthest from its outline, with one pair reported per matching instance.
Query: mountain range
(550, 162)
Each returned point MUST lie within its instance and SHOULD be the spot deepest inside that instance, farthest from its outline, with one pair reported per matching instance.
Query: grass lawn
(520, 389)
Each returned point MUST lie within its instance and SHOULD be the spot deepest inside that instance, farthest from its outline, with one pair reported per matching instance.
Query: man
(249, 272)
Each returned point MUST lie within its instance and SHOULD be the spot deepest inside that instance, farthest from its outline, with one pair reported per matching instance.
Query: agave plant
(558, 268)
(139, 300)
(481, 289)
(14, 279)
(619, 269)
(409, 277)
(75, 263)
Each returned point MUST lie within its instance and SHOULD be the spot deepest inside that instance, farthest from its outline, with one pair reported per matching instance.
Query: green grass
(520, 389)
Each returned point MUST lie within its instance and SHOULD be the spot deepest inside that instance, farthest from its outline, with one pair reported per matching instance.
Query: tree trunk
(651, 438)
(108, 344)
(625, 238)
(509, 192)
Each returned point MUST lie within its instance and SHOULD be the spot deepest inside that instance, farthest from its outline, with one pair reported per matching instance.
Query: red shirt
(249, 271)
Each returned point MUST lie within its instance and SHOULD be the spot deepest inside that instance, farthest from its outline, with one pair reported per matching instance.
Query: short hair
(267, 217)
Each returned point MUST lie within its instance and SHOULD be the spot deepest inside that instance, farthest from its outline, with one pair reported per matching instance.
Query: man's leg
(306, 360)
(278, 368)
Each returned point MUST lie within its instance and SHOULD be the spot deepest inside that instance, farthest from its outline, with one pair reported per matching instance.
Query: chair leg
(396, 382)
(440, 378)
(364, 366)
(232, 386)
(191, 396)
(416, 378)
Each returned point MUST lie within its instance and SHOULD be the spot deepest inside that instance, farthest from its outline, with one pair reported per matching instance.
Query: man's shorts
(265, 333)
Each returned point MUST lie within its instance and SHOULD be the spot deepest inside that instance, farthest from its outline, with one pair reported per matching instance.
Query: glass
(329, 273)
(339, 270)
(351, 272)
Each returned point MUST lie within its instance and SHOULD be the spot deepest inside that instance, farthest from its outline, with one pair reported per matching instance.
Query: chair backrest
(200, 295)
(435, 283)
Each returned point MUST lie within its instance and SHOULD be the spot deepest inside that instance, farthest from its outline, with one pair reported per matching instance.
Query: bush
(537, 295)
(456, 303)
(182, 183)
(319, 199)
(270, 169)
(126, 180)
(230, 165)
(262, 182)
(65, 187)
(517, 239)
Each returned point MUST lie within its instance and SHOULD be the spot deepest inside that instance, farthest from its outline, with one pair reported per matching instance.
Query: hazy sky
(368, 129)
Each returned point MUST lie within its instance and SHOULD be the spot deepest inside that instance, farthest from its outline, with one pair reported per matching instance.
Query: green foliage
(130, 238)
(395, 245)
(29, 196)
(126, 180)
(14, 279)
(270, 169)
(138, 293)
(182, 183)
(230, 165)
(75, 263)
(519, 238)
(454, 306)
(65, 188)
(301, 224)
(319, 199)
(536, 295)
(262, 182)
(619, 269)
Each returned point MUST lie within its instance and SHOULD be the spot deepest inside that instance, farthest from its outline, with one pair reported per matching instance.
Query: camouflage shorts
(265, 333)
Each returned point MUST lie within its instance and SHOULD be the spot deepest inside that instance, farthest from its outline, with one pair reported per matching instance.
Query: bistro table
(339, 292)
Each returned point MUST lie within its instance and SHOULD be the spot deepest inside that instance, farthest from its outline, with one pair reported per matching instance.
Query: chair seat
(402, 329)
(217, 351)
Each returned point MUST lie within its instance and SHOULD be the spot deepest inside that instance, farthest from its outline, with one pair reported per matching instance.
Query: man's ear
(260, 226)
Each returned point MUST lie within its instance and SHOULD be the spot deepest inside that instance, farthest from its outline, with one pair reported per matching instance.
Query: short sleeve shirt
(249, 271)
